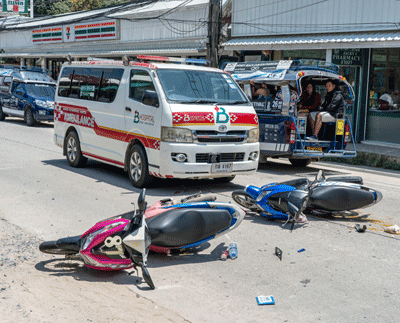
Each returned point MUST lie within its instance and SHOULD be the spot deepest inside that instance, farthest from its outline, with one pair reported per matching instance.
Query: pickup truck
(28, 95)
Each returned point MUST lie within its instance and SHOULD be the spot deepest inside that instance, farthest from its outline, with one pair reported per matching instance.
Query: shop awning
(376, 39)
(192, 47)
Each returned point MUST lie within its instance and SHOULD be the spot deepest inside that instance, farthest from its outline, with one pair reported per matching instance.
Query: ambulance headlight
(170, 134)
(253, 135)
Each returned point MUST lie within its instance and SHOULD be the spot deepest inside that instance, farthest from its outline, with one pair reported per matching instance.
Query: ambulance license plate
(221, 168)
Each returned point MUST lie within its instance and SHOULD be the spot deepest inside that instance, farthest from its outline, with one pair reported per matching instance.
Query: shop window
(384, 92)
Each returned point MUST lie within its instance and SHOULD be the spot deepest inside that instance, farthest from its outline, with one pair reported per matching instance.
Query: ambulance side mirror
(150, 98)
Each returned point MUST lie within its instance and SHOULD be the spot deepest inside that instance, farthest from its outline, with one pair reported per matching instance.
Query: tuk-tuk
(284, 127)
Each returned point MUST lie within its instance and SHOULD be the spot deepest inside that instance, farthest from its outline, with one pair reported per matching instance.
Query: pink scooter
(124, 241)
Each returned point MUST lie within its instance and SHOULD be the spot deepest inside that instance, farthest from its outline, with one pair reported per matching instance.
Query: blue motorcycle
(291, 200)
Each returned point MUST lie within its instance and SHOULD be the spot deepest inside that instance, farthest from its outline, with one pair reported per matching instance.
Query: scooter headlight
(89, 238)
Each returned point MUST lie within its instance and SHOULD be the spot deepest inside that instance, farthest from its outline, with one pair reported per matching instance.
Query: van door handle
(128, 109)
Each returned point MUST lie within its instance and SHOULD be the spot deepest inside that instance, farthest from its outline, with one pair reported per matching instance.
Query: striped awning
(376, 39)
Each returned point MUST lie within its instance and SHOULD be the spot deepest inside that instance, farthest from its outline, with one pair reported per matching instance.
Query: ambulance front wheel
(138, 167)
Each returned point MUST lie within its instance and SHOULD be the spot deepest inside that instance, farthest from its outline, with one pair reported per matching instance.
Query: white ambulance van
(155, 118)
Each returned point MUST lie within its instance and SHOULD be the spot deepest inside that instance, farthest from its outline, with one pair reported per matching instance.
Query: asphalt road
(342, 276)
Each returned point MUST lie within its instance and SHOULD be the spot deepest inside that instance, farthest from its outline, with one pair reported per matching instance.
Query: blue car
(30, 96)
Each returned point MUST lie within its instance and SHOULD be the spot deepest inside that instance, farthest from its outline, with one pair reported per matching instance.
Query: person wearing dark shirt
(333, 104)
(310, 100)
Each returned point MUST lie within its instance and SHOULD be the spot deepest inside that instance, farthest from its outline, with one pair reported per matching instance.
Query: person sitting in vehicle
(333, 104)
(261, 94)
(385, 102)
(310, 100)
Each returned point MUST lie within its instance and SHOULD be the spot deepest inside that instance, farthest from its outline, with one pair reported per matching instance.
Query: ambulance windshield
(189, 86)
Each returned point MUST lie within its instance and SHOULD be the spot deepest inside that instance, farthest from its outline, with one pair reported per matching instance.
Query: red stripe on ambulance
(81, 116)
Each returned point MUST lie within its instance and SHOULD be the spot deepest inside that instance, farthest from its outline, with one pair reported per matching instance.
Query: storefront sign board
(101, 30)
(347, 57)
(47, 35)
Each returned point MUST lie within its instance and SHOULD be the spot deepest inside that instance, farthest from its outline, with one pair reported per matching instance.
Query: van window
(185, 86)
(110, 81)
(7, 80)
(94, 84)
(65, 82)
(41, 90)
(20, 89)
(140, 81)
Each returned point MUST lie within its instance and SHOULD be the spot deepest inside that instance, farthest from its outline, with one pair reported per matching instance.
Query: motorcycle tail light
(346, 134)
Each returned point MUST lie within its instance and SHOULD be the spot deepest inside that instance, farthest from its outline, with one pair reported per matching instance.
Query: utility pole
(214, 23)
(31, 7)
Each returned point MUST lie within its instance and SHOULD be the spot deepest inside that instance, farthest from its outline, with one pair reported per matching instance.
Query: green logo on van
(136, 118)
(222, 116)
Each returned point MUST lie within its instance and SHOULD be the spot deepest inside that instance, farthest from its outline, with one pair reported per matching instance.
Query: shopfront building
(356, 35)
(109, 34)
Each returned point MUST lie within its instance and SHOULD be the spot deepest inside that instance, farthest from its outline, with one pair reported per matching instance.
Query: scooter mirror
(142, 201)
(147, 278)
(320, 175)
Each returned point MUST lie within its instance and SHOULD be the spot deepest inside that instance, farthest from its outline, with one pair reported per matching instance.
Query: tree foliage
(57, 7)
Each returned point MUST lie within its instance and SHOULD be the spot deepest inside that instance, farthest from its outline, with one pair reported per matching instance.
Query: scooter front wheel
(245, 200)
(51, 247)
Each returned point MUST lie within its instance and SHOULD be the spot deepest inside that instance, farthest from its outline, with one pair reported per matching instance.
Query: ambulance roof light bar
(198, 61)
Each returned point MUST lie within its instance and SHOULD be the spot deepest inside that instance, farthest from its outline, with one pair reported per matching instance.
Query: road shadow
(21, 122)
(60, 267)
(257, 218)
(76, 269)
(112, 175)
(279, 167)
(187, 256)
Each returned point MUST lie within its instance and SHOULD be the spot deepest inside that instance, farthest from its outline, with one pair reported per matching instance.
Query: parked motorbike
(124, 241)
(290, 199)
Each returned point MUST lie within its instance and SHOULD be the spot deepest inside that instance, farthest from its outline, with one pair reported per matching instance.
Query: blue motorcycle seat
(181, 227)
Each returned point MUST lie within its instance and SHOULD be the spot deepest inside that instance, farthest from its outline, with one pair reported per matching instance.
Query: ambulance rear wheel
(73, 151)
(138, 167)
(300, 162)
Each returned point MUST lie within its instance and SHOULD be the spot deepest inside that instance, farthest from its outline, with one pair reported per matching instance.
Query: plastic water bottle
(233, 251)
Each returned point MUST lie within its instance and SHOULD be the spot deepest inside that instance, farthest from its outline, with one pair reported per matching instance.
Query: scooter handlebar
(197, 198)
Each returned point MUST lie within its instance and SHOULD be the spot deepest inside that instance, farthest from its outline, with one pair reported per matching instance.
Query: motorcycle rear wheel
(245, 200)
(52, 248)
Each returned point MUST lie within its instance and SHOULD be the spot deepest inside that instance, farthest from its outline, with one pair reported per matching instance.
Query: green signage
(346, 56)
(15, 6)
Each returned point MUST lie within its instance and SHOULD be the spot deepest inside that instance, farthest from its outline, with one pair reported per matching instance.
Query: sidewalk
(378, 154)
(373, 147)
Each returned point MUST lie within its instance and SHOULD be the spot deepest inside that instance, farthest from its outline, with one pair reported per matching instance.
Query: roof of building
(346, 39)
